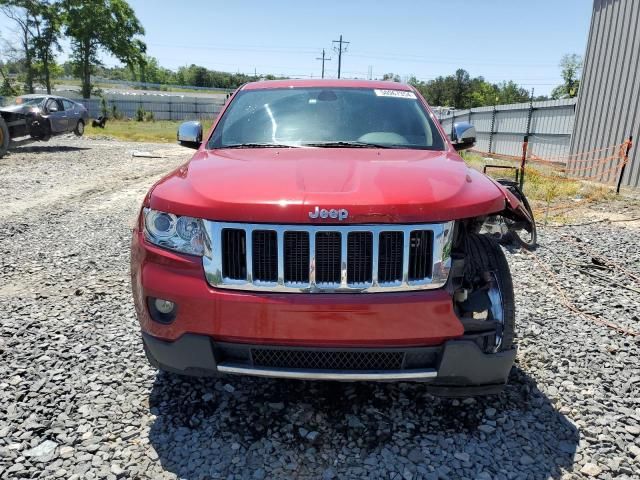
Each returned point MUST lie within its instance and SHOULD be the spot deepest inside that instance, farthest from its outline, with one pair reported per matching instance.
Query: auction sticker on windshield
(395, 93)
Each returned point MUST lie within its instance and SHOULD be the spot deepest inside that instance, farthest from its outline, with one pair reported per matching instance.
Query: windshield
(329, 117)
(29, 100)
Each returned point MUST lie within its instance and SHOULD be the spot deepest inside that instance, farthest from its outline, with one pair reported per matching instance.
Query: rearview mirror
(190, 134)
(464, 135)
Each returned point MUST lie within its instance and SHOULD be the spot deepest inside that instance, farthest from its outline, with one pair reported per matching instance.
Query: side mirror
(190, 134)
(52, 108)
(464, 136)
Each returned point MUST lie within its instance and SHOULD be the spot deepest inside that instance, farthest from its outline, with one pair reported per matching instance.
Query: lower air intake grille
(327, 359)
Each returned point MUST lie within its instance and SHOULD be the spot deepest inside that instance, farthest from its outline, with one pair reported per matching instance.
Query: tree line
(461, 91)
(191, 75)
(90, 26)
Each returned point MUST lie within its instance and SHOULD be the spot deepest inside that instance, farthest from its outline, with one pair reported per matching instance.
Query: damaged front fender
(515, 209)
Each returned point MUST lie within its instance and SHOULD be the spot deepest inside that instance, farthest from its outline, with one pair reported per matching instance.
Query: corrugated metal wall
(549, 130)
(609, 97)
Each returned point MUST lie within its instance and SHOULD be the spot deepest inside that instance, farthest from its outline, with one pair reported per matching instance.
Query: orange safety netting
(600, 164)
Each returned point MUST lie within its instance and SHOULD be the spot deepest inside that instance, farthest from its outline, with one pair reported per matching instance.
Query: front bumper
(458, 367)
(216, 331)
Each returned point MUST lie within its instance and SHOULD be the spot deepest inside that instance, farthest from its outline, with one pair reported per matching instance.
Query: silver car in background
(40, 116)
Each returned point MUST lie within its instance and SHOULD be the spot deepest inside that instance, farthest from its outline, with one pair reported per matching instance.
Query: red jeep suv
(327, 229)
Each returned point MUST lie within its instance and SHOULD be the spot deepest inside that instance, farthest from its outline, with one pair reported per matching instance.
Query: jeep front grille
(328, 258)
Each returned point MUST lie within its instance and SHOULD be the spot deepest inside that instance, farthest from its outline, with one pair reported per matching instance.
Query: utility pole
(340, 49)
(323, 59)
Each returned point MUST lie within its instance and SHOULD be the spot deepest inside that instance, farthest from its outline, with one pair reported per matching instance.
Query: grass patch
(554, 197)
(161, 131)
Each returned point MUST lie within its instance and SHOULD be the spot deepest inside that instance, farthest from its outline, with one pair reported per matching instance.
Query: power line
(323, 60)
(241, 48)
(340, 50)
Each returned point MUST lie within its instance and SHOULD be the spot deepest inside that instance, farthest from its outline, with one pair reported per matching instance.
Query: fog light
(164, 306)
(161, 310)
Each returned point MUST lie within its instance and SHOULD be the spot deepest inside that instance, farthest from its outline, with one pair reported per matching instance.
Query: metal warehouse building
(608, 108)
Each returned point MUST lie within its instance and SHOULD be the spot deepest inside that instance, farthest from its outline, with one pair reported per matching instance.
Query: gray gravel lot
(79, 401)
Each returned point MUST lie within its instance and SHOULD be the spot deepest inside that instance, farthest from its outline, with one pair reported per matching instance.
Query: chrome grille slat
(280, 260)
(344, 237)
(329, 258)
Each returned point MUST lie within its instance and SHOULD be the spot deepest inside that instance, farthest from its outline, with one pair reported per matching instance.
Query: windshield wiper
(257, 145)
(347, 145)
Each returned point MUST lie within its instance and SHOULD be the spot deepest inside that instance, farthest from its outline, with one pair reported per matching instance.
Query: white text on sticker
(395, 93)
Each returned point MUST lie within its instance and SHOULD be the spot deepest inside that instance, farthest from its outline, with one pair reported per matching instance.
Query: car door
(57, 116)
(73, 113)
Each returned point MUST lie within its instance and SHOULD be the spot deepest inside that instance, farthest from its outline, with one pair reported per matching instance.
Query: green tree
(15, 11)
(460, 86)
(45, 32)
(511, 92)
(391, 77)
(571, 65)
(435, 91)
(102, 25)
(151, 71)
(483, 93)
(462, 91)
(39, 23)
(6, 88)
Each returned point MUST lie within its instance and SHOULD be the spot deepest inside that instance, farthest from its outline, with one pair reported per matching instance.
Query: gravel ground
(79, 401)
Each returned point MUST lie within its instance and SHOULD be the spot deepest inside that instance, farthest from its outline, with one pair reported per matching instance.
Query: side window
(53, 105)
(68, 105)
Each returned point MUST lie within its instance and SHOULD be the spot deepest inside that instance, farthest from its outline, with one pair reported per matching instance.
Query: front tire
(79, 130)
(486, 269)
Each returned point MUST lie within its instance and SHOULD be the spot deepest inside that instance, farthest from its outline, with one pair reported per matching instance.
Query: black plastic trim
(462, 367)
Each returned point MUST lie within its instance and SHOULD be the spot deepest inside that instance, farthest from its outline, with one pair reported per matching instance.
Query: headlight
(182, 234)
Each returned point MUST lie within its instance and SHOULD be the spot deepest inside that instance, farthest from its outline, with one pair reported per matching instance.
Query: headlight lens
(182, 234)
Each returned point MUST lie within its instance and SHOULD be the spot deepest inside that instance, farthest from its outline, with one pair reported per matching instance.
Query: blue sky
(498, 39)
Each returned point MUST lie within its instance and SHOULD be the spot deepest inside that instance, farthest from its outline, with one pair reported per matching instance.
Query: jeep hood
(284, 185)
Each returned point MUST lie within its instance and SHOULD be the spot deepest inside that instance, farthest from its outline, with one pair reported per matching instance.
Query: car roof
(378, 84)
